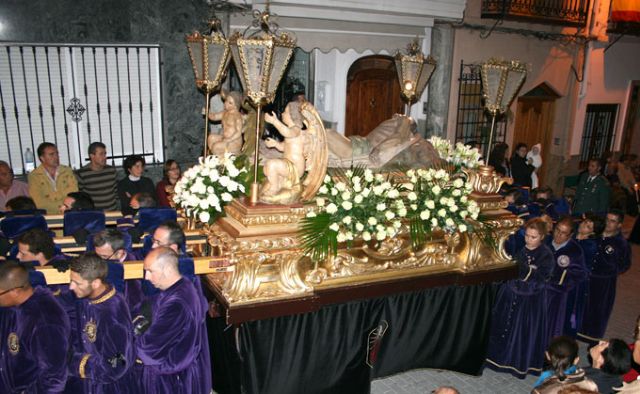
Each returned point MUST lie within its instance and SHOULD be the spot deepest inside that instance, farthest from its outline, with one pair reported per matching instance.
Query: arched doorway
(534, 122)
(373, 94)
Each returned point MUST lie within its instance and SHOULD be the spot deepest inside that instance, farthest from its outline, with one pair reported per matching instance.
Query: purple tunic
(612, 258)
(577, 298)
(174, 350)
(34, 346)
(518, 321)
(133, 294)
(103, 361)
(568, 272)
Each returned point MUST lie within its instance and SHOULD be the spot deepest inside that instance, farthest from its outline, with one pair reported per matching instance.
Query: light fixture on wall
(501, 80)
(261, 55)
(414, 72)
(210, 55)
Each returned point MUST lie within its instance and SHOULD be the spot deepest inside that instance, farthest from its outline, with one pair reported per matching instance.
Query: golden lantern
(414, 72)
(261, 55)
(501, 81)
(210, 55)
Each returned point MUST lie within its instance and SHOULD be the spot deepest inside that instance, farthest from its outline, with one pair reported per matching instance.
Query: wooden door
(373, 94)
(534, 124)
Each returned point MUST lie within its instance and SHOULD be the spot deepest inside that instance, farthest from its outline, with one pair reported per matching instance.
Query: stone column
(442, 37)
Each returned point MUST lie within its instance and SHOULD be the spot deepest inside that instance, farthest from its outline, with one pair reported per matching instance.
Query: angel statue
(231, 138)
(303, 151)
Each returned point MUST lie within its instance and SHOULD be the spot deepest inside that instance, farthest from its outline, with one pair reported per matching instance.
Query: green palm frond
(318, 241)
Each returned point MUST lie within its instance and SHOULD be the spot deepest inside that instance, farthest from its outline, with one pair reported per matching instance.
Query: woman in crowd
(498, 159)
(133, 183)
(517, 341)
(562, 356)
(164, 188)
(521, 167)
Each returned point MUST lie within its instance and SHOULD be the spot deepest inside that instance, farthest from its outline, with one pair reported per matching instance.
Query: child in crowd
(562, 356)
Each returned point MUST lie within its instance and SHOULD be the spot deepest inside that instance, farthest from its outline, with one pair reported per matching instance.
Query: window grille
(599, 131)
(72, 95)
(473, 123)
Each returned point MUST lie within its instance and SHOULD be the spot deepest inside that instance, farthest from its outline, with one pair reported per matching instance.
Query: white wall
(607, 81)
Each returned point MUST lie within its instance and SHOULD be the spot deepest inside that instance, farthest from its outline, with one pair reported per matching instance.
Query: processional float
(267, 245)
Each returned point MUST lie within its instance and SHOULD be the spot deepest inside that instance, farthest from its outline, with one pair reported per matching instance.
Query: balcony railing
(561, 12)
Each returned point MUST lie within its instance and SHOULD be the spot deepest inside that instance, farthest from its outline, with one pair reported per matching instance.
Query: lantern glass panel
(515, 78)
(195, 48)
(281, 56)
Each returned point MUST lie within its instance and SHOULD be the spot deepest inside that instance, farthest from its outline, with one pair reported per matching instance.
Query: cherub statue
(303, 150)
(232, 120)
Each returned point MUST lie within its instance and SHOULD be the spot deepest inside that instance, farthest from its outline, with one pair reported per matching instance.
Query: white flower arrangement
(460, 155)
(207, 187)
(438, 201)
(353, 205)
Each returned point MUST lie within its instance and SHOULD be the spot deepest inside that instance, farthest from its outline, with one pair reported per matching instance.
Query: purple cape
(518, 321)
(174, 350)
(34, 345)
(103, 360)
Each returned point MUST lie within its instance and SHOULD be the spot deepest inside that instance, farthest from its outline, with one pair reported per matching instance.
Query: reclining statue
(393, 142)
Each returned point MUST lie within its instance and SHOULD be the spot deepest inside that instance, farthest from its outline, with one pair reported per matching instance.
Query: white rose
(349, 236)
(358, 198)
(340, 186)
(224, 180)
(377, 190)
(381, 235)
(442, 213)
(311, 214)
(368, 175)
(389, 215)
(204, 204)
(226, 197)
(379, 177)
(456, 193)
(453, 208)
(394, 193)
(347, 205)
(349, 173)
(436, 190)
(381, 206)
(458, 183)
(210, 189)
(327, 179)
(204, 216)
(334, 191)
(434, 222)
(341, 237)
(397, 224)
(346, 195)
(463, 214)
(346, 220)
(323, 189)
(414, 207)
(365, 192)
(462, 228)
(431, 204)
(366, 236)
(357, 188)
(424, 215)
(412, 196)
(334, 227)
(449, 222)
(359, 226)
(320, 201)
(331, 208)
(408, 186)
(402, 212)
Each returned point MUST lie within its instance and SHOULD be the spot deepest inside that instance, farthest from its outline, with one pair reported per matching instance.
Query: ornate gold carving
(269, 263)
(485, 180)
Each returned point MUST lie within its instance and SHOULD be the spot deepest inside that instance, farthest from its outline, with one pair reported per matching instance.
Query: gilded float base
(261, 242)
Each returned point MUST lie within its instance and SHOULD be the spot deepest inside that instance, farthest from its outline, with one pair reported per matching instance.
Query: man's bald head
(12, 275)
(161, 267)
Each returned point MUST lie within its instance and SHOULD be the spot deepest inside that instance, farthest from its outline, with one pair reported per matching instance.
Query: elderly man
(50, 182)
(35, 335)
(612, 259)
(9, 187)
(110, 245)
(103, 358)
(569, 271)
(174, 349)
(98, 179)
